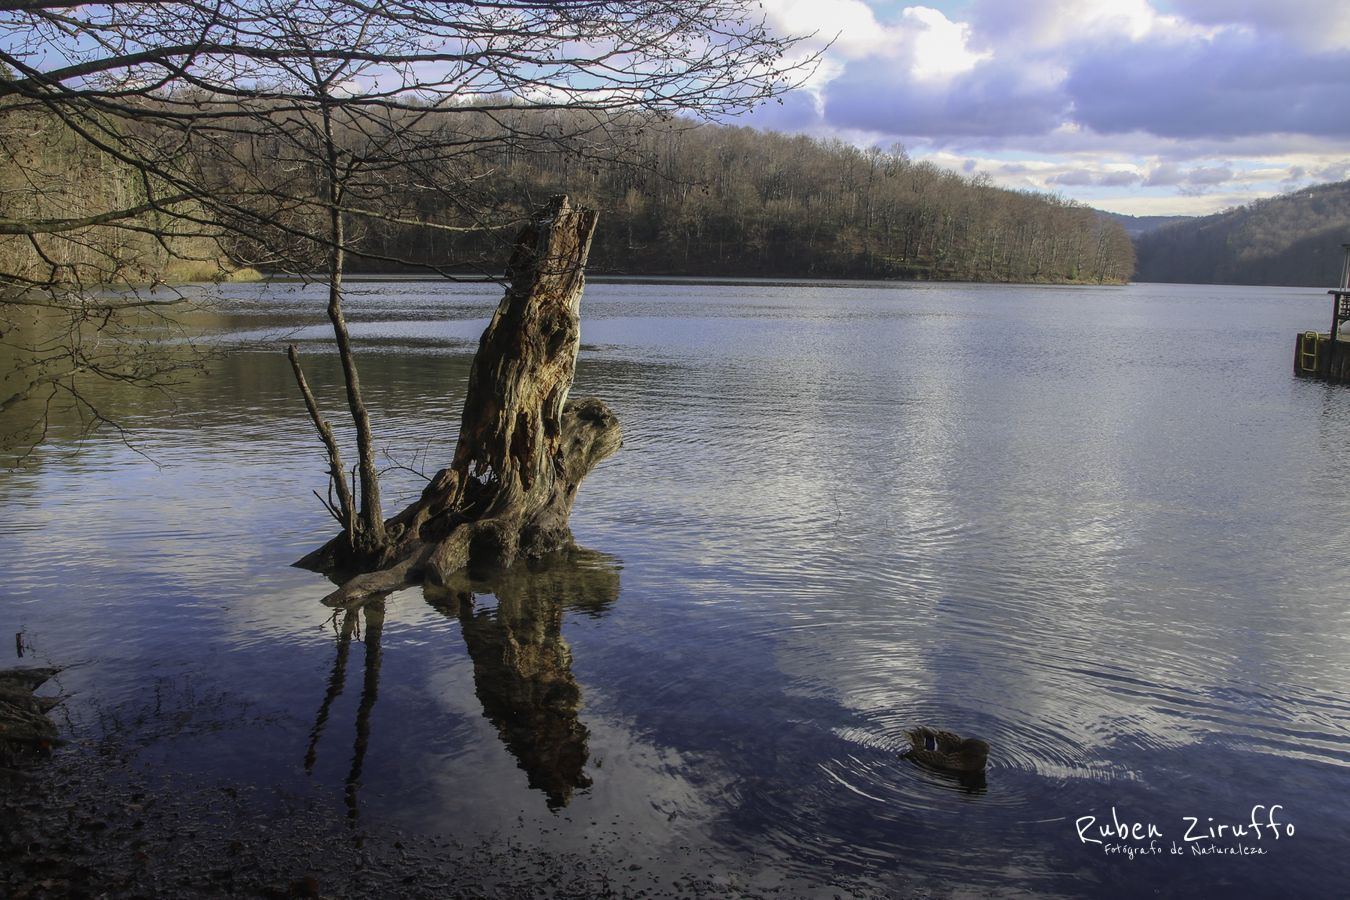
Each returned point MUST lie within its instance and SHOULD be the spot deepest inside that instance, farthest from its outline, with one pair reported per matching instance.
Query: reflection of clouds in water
(641, 790)
(911, 570)
(125, 514)
(160, 532)
(523, 739)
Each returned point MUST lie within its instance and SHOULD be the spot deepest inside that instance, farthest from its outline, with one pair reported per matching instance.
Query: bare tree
(282, 132)
(75, 224)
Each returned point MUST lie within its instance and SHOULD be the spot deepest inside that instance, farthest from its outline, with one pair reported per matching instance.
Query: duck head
(972, 754)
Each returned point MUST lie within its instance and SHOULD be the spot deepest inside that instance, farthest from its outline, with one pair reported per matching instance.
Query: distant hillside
(728, 201)
(1137, 225)
(1291, 239)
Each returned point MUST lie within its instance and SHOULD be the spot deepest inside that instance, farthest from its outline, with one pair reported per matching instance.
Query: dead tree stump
(523, 447)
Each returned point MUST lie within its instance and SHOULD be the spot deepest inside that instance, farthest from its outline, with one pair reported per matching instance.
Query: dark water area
(1104, 529)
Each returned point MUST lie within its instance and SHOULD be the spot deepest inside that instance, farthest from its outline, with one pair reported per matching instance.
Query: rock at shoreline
(25, 731)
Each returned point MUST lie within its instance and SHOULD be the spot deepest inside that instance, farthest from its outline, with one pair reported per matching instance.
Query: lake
(1103, 528)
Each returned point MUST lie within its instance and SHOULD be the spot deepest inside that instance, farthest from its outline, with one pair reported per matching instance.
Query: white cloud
(1103, 100)
(1038, 25)
(939, 48)
(923, 42)
(849, 26)
(1321, 25)
(1173, 205)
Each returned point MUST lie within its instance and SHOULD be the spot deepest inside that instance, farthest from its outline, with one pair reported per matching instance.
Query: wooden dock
(1316, 355)
(1326, 355)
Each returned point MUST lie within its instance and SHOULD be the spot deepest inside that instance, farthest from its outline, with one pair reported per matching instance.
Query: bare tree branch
(54, 226)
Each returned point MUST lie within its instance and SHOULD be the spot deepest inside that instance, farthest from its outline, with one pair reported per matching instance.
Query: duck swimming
(944, 750)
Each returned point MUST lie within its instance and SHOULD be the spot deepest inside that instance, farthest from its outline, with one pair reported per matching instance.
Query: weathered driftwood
(523, 448)
(25, 730)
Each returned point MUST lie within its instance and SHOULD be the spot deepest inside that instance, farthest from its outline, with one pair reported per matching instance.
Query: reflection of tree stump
(522, 667)
(523, 447)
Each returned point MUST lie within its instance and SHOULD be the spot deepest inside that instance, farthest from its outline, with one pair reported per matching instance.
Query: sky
(1144, 107)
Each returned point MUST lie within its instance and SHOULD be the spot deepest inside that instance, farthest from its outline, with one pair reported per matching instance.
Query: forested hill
(1137, 225)
(674, 199)
(719, 200)
(1292, 239)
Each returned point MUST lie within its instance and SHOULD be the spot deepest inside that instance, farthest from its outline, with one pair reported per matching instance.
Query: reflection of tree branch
(370, 688)
(336, 681)
(523, 667)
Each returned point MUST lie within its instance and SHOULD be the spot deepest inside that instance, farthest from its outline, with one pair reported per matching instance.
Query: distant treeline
(1137, 225)
(720, 200)
(675, 198)
(1292, 239)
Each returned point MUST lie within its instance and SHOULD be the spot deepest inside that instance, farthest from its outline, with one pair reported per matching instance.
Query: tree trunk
(523, 448)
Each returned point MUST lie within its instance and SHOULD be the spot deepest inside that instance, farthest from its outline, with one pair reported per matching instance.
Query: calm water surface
(1102, 528)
